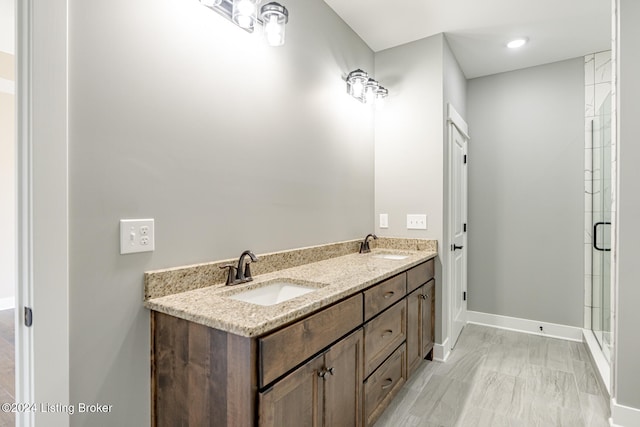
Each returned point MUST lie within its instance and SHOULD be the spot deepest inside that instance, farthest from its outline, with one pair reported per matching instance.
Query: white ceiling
(478, 30)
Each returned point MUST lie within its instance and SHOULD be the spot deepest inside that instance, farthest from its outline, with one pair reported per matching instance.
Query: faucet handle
(247, 272)
(232, 273)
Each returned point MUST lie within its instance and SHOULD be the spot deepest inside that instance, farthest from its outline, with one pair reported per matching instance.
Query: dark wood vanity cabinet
(420, 324)
(325, 391)
(339, 366)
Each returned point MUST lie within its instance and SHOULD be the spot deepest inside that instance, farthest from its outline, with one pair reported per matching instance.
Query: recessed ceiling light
(514, 44)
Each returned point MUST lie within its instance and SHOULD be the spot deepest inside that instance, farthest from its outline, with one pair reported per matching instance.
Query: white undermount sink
(273, 293)
(390, 256)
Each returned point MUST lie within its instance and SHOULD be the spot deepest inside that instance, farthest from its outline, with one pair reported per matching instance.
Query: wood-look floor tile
(510, 359)
(549, 352)
(585, 377)
(420, 378)
(549, 415)
(480, 417)
(595, 409)
(498, 392)
(501, 378)
(552, 387)
(442, 401)
(578, 351)
(398, 411)
(463, 366)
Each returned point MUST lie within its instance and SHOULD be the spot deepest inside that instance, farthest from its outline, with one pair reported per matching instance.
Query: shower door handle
(595, 236)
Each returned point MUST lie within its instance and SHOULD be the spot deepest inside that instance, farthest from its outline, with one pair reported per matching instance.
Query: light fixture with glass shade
(381, 94)
(364, 88)
(274, 17)
(244, 13)
(356, 81)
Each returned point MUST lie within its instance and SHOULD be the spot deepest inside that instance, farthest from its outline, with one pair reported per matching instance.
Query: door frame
(42, 350)
(453, 119)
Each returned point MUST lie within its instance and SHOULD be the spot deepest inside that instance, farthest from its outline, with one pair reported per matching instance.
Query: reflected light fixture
(364, 88)
(244, 13)
(516, 43)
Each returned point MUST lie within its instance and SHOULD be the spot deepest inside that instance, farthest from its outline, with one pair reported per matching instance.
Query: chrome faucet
(364, 245)
(241, 273)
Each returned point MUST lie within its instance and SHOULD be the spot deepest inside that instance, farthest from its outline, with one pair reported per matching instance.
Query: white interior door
(458, 139)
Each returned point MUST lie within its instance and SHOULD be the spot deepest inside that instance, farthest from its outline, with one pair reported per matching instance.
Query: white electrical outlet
(416, 222)
(384, 220)
(137, 235)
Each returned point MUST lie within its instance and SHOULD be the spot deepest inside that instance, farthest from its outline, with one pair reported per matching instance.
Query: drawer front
(384, 295)
(281, 351)
(384, 384)
(383, 335)
(419, 275)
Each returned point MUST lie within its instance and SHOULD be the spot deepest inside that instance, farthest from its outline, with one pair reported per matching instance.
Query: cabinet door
(414, 329)
(428, 317)
(295, 400)
(343, 382)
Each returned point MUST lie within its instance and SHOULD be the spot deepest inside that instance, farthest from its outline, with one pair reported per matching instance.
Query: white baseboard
(624, 416)
(551, 330)
(7, 303)
(441, 351)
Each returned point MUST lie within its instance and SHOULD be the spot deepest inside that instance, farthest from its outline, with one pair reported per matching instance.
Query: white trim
(442, 351)
(624, 416)
(7, 303)
(603, 367)
(454, 117)
(7, 86)
(551, 330)
(42, 351)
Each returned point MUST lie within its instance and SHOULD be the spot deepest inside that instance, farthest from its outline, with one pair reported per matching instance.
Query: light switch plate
(384, 220)
(137, 235)
(416, 222)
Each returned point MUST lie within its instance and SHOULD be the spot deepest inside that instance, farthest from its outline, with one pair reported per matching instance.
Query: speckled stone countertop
(335, 278)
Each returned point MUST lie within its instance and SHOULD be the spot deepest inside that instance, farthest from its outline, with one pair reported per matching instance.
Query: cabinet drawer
(280, 351)
(384, 295)
(384, 334)
(419, 275)
(381, 387)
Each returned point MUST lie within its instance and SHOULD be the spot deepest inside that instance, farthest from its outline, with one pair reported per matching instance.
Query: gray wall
(526, 193)
(178, 115)
(409, 144)
(627, 368)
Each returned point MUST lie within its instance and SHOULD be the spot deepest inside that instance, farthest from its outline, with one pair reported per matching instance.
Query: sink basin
(273, 293)
(390, 256)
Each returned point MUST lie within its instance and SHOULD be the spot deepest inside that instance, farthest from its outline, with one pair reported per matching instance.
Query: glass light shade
(381, 94)
(244, 13)
(274, 17)
(370, 91)
(356, 81)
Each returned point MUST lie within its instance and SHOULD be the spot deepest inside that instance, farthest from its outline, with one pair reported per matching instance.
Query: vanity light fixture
(244, 13)
(274, 17)
(516, 43)
(364, 88)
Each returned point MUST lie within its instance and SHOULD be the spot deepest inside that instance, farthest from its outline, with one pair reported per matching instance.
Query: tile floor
(498, 378)
(7, 365)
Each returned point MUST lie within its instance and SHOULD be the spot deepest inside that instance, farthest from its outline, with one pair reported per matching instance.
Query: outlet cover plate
(137, 235)
(416, 222)
(384, 220)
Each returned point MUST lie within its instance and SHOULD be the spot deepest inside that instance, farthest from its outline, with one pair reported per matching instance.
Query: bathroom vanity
(335, 356)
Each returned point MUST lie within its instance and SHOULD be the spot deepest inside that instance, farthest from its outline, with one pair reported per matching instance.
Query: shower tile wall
(598, 86)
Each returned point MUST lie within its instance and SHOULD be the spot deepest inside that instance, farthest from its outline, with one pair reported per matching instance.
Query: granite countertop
(336, 278)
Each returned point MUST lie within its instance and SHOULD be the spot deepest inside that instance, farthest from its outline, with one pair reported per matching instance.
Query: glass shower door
(602, 212)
